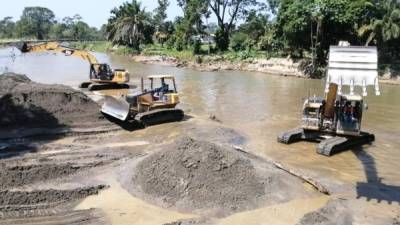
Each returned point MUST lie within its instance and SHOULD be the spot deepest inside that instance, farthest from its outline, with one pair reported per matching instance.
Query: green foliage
(227, 12)
(221, 40)
(317, 24)
(130, 25)
(7, 27)
(255, 25)
(35, 22)
(179, 44)
(185, 55)
(386, 25)
(238, 41)
(160, 13)
(74, 28)
(196, 47)
(191, 24)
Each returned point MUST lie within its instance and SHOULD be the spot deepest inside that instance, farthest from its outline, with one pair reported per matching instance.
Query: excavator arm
(57, 47)
(100, 75)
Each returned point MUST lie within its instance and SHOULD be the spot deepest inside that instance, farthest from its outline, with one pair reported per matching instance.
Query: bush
(170, 42)
(179, 44)
(221, 40)
(196, 47)
(238, 41)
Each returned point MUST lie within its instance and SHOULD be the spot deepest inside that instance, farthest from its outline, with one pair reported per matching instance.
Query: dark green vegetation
(295, 28)
(243, 28)
(40, 23)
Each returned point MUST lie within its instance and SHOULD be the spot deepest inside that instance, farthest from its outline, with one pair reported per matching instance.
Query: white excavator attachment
(117, 108)
(353, 66)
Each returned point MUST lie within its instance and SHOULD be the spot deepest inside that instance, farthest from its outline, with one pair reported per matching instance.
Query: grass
(155, 49)
(185, 54)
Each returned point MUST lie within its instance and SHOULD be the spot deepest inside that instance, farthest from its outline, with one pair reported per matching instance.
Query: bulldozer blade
(117, 108)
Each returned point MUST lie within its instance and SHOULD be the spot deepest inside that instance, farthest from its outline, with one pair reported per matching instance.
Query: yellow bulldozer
(151, 105)
(101, 76)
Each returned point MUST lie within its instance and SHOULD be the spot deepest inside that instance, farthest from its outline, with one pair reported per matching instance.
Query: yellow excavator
(151, 105)
(101, 76)
(335, 121)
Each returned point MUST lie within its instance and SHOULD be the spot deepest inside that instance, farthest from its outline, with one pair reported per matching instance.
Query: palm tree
(386, 26)
(128, 25)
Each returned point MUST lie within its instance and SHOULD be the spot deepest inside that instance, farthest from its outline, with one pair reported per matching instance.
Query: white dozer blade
(353, 66)
(117, 108)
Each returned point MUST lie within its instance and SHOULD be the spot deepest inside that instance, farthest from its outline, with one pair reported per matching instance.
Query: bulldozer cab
(349, 115)
(163, 83)
(312, 110)
(101, 72)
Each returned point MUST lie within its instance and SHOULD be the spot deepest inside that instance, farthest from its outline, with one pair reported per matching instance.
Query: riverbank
(272, 66)
(238, 61)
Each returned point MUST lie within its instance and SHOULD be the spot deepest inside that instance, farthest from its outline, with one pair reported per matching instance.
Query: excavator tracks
(291, 136)
(327, 145)
(337, 144)
(106, 86)
(159, 116)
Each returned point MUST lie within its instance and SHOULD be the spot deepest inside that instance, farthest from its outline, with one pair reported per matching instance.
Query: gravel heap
(24, 103)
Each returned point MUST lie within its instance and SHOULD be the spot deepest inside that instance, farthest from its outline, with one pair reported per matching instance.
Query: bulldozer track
(159, 116)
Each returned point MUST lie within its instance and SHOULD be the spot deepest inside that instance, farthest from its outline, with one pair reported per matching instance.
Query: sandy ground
(94, 165)
(79, 176)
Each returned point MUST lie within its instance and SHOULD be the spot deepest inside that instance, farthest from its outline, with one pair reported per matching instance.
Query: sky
(93, 12)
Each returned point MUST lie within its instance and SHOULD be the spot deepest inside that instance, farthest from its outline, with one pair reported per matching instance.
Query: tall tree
(317, 24)
(7, 27)
(36, 21)
(227, 13)
(255, 25)
(191, 23)
(130, 25)
(160, 13)
(385, 26)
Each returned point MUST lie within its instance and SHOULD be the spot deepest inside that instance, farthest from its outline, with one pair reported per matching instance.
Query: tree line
(297, 28)
(40, 23)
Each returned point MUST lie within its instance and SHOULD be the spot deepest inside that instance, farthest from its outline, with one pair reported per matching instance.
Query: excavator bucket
(117, 108)
(353, 66)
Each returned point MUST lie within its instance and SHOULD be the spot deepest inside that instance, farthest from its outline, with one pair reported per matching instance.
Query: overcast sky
(93, 12)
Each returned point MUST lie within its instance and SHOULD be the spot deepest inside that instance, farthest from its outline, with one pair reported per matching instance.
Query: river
(258, 105)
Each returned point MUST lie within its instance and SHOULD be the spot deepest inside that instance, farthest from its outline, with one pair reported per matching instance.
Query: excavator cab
(101, 72)
(349, 115)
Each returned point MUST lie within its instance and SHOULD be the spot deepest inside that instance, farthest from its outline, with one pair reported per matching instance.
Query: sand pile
(29, 104)
(196, 175)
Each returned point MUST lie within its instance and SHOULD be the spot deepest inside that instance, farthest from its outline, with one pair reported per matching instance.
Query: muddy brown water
(259, 105)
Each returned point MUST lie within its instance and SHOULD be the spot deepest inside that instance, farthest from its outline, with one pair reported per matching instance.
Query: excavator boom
(57, 47)
(101, 75)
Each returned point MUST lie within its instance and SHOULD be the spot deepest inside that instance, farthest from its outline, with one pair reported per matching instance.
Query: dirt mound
(8, 199)
(17, 204)
(76, 217)
(196, 175)
(24, 103)
(16, 176)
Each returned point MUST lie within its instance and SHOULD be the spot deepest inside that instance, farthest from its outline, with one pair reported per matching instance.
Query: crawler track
(328, 145)
(159, 116)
